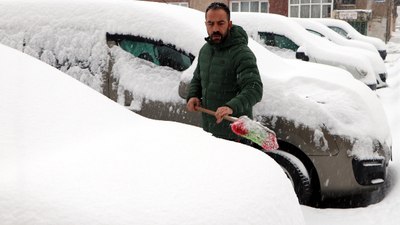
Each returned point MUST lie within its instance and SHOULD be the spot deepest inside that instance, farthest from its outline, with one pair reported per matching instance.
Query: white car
(333, 134)
(346, 30)
(278, 32)
(364, 48)
(69, 155)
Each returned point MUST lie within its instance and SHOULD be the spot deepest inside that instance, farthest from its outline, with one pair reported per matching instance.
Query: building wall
(279, 7)
(202, 4)
(381, 21)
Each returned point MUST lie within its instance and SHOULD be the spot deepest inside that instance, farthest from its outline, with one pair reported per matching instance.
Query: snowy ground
(381, 211)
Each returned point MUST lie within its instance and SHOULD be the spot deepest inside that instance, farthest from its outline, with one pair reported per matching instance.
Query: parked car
(364, 48)
(280, 32)
(69, 155)
(346, 30)
(333, 134)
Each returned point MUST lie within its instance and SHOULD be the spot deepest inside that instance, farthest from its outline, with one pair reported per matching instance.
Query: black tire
(295, 171)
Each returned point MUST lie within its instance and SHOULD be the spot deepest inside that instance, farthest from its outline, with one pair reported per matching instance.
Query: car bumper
(343, 175)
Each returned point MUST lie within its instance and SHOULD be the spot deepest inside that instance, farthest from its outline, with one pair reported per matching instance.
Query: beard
(217, 37)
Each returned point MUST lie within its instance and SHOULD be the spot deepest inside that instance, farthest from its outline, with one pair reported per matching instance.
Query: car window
(142, 50)
(339, 31)
(277, 40)
(315, 32)
(153, 51)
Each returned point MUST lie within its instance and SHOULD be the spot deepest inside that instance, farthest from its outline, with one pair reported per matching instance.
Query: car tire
(297, 174)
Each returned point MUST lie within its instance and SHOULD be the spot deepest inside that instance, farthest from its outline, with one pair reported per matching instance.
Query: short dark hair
(219, 5)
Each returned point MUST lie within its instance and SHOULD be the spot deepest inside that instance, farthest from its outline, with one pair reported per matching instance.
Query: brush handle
(210, 112)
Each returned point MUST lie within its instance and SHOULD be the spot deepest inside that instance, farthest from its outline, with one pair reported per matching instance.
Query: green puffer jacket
(226, 75)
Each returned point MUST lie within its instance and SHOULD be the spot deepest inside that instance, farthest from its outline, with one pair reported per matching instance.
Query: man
(226, 78)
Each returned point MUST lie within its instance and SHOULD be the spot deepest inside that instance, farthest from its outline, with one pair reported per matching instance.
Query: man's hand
(192, 104)
(221, 112)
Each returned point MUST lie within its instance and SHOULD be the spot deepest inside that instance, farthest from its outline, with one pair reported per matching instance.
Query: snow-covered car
(333, 134)
(346, 30)
(69, 155)
(363, 48)
(277, 33)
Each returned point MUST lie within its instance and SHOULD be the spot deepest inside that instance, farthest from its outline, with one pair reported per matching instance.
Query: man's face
(217, 24)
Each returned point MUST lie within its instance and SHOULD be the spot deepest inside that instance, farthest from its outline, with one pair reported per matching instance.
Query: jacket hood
(236, 35)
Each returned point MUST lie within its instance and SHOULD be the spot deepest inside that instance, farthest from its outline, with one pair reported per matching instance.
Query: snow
(72, 157)
(69, 155)
(351, 32)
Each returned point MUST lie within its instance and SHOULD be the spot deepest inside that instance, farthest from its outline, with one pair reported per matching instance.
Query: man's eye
(221, 23)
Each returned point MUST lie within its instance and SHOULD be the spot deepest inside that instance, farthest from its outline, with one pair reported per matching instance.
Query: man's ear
(230, 24)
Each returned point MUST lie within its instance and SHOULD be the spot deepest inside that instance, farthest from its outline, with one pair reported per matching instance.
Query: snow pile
(69, 155)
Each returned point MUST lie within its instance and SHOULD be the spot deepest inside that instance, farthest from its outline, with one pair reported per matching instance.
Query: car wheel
(296, 172)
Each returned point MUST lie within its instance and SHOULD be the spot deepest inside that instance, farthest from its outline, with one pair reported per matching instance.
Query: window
(153, 51)
(277, 40)
(249, 6)
(310, 8)
(350, 2)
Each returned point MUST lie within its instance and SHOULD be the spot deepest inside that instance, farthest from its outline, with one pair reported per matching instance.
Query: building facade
(370, 17)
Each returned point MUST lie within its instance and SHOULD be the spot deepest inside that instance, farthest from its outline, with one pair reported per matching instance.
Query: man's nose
(215, 28)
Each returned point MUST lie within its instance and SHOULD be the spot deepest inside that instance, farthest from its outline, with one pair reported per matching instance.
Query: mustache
(216, 33)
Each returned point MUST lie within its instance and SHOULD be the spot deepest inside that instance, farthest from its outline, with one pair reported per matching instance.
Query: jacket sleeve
(195, 85)
(249, 82)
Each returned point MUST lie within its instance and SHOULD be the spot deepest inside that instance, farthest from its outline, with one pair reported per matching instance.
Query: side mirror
(302, 56)
(183, 89)
(348, 36)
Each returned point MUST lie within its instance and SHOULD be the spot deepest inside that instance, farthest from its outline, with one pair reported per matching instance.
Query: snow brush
(250, 129)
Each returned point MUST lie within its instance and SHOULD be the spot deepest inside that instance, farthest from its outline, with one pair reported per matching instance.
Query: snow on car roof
(379, 44)
(332, 35)
(293, 89)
